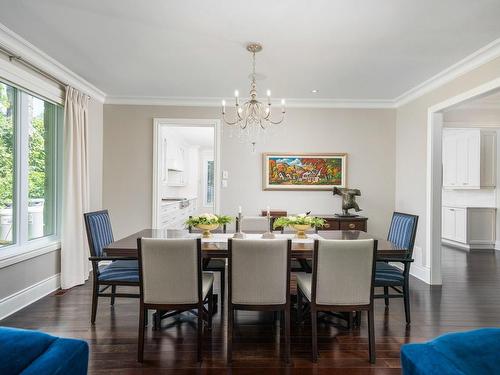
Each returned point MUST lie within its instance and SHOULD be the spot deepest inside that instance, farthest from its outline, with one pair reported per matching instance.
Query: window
(208, 183)
(29, 180)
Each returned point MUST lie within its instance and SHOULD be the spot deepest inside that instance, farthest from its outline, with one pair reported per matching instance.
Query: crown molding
(22, 48)
(482, 56)
(216, 102)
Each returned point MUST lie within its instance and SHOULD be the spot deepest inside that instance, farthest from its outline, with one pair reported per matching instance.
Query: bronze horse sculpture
(348, 199)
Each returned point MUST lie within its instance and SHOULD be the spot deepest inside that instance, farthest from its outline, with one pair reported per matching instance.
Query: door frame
(160, 122)
(435, 173)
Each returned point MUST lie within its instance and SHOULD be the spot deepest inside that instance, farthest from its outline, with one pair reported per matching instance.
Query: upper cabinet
(469, 158)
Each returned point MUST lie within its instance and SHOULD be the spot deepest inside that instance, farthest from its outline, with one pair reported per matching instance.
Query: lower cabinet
(469, 227)
(175, 214)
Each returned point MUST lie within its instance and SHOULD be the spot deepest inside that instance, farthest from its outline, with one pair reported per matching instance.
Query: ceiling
(355, 50)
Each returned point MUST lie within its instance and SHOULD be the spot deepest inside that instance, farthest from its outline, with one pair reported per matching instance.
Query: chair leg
(230, 323)
(210, 306)
(140, 344)
(113, 291)
(314, 334)
(299, 306)
(95, 296)
(287, 334)
(200, 334)
(222, 288)
(386, 293)
(371, 336)
(350, 320)
(406, 298)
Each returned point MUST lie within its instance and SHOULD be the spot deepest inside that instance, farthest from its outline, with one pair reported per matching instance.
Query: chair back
(99, 231)
(403, 230)
(170, 270)
(259, 271)
(343, 272)
(253, 224)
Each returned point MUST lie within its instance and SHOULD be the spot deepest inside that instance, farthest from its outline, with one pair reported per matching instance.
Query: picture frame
(304, 171)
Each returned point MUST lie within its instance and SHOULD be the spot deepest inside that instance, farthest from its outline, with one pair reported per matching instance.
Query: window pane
(7, 164)
(210, 183)
(41, 167)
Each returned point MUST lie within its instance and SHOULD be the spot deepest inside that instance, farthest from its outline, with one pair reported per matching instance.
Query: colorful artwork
(304, 171)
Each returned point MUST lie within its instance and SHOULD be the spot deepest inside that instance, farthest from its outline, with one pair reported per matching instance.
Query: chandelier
(253, 116)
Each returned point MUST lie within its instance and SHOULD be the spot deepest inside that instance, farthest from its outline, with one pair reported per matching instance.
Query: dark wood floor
(468, 299)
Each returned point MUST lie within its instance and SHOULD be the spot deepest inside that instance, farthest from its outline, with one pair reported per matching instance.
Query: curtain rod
(13, 57)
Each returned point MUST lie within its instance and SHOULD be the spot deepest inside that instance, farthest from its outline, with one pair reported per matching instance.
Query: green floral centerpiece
(301, 223)
(207, 223)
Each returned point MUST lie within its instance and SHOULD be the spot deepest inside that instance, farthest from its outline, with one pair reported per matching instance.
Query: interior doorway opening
(186, 160)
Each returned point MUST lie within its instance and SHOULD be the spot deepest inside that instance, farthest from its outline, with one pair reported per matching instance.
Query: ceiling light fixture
(253, 116)
(315, 91)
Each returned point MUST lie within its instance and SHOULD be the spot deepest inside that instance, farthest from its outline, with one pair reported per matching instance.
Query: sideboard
(344, 223)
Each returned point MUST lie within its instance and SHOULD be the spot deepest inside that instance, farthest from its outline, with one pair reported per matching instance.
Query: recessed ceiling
(356, 49)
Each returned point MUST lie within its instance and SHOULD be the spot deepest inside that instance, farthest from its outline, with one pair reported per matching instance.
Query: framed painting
(303, 171)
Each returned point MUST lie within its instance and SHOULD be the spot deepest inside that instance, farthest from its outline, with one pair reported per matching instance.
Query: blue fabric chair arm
(421, 359)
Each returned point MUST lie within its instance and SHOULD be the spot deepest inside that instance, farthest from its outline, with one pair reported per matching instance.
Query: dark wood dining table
(127, 247)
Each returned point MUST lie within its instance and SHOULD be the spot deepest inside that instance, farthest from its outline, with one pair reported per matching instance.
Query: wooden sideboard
(344, 223)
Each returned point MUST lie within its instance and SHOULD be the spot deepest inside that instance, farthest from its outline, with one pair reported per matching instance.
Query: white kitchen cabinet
(173, 214)
(469, 227)
(469, 158)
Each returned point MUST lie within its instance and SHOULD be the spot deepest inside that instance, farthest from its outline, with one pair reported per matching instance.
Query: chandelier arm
(279, 121)
(229, 122)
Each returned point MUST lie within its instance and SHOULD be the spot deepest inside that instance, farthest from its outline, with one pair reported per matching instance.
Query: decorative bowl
(206, 228)
(301, 230)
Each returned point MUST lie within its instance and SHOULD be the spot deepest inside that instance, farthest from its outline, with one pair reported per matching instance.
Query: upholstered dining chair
(258, 280)
(122, 271)
(253, 224)
(341, 281)
(171, 279)
(402, 233)
(215, 264)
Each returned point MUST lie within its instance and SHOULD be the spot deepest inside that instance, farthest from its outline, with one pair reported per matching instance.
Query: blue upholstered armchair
(122, 271)
(37, 353)
(402, 233)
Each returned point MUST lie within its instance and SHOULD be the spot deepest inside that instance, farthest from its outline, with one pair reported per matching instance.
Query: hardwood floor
(468, 299)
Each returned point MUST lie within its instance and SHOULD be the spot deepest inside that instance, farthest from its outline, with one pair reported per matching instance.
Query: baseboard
(497, 245)
(15, 302)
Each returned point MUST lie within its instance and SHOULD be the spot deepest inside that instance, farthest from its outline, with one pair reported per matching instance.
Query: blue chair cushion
(401, 230)
(100, 231)
(120, 270)
(388, 275)
(31, 352)
(472, 353)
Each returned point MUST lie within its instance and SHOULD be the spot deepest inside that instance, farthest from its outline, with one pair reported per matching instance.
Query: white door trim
(434, 174)
(182, 122)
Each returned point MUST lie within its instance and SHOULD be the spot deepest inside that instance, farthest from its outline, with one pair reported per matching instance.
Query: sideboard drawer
(353, 225)
(332, 224)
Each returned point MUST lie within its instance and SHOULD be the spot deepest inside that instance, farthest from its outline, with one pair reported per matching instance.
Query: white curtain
(74, 248)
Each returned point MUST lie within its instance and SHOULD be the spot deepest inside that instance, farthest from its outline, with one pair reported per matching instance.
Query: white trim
(41, 60)
(216, 102)
(483, 55)
(15, 254)
(157, 123)
(475, 245)
(497, 245)
(466, 124)
(19, 300)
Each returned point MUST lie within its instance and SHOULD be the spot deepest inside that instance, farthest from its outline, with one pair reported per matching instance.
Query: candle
(283, 105)
(223, 106)
(236, 95)
(239, 209)
(268, 211)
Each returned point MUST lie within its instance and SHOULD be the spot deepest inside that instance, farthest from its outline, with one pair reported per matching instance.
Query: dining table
(216, 245)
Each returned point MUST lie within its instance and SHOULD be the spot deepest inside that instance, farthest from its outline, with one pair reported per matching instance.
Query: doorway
(186, 165)
(435, 125)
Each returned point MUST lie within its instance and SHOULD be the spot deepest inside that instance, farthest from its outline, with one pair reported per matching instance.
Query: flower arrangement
(207, 222)
(303, 219)
(208, 219)
(300, 223)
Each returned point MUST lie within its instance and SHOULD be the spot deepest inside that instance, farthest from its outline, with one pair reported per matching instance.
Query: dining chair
(253, 224)
(402, 233)
(300, 264)
(122, 271)
(171, 279)
(259, 280)
(341, 281)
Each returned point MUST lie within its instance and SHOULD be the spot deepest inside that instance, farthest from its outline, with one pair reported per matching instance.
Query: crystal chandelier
(253, 116)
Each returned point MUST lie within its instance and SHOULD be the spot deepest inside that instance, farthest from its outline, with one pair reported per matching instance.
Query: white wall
(367, 135)
(411, 153)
